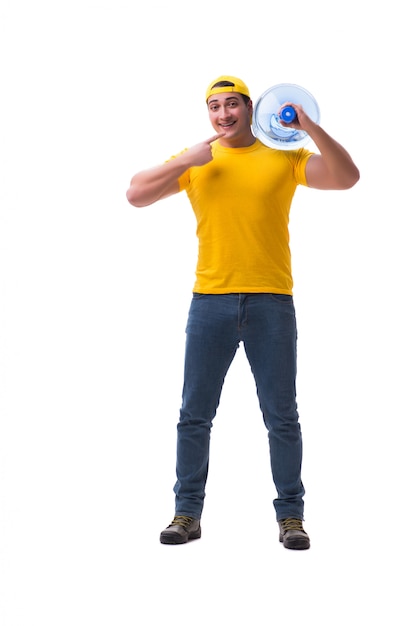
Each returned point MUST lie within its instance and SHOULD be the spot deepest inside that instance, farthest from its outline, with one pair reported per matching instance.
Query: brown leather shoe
(292, 534)
(181, 530)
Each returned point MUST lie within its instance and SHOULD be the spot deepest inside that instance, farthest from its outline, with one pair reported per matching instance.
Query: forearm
(338, 169)
(149, 186)
(162, 181)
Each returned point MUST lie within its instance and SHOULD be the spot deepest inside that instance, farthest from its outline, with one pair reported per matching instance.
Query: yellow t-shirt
(242, 200)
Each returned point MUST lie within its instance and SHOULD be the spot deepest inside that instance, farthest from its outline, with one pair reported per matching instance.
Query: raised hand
(201, 153)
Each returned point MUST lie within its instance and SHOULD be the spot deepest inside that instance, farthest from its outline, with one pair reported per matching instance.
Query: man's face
(229, 114)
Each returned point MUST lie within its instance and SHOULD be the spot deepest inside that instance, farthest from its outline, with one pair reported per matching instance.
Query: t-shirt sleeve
(184, 179)
(301, 158)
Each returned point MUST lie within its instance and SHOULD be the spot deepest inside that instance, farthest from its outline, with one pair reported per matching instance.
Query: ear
(250, 110)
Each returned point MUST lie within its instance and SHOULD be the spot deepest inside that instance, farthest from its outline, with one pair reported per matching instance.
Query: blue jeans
(266, 325)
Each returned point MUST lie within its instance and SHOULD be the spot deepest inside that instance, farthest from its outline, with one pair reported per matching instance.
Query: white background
(94, 296)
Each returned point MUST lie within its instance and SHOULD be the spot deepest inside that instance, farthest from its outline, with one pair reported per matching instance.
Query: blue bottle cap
(287, 114)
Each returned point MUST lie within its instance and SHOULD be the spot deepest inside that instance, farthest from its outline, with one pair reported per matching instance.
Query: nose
(225, 112)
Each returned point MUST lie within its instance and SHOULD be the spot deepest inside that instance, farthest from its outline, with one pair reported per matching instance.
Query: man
(241, 193)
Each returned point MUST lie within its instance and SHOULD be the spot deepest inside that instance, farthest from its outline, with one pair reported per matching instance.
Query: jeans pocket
(282, 297)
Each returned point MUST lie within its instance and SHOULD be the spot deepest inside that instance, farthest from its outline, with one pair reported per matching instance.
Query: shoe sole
(173, 539)
(295, 543)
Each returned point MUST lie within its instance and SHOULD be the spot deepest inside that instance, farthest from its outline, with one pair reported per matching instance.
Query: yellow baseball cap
(239, 86)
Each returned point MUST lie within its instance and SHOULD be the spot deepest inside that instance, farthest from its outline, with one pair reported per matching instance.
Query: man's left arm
(333, 167)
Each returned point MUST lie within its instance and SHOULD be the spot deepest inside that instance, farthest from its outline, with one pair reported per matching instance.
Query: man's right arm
(161, 181)
(156, 183)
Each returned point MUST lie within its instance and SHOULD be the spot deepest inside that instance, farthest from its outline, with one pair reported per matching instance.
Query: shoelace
(182, 520)
(292, 524)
